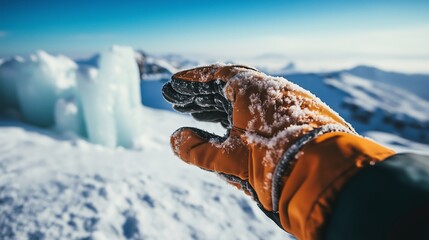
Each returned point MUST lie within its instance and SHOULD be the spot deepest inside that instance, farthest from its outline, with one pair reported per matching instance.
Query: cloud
(3, 33)
(400, 42)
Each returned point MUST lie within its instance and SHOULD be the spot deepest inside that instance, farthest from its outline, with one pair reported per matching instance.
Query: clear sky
(314, 29)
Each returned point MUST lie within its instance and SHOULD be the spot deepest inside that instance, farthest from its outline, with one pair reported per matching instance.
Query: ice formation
(99, 101)
(8, 82)
(69, 116)
(34, 84)
(110, 95)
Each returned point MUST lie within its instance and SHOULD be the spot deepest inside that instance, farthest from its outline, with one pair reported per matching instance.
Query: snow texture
(57, 187)
(294, 112)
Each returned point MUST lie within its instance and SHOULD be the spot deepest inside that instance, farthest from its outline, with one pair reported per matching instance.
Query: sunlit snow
(54, 184)
(57, 187)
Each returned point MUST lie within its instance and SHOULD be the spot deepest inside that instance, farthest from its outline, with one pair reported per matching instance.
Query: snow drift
(98, 101)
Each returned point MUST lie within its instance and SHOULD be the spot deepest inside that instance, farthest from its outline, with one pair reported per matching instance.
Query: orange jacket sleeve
(322, 169)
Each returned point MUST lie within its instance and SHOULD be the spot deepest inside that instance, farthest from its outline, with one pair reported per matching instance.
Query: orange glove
(268, 119)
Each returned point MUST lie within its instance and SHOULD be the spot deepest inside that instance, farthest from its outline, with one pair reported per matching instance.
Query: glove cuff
(286, 161)
(322, 168)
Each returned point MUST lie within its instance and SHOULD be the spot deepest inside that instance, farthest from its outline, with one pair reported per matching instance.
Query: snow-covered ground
(55, 187)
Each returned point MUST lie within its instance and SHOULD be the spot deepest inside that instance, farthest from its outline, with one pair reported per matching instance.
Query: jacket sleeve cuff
(323, 166)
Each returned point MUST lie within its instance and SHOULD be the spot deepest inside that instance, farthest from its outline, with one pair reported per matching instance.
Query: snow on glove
(283, 146)
(274, 149)
(266, 117)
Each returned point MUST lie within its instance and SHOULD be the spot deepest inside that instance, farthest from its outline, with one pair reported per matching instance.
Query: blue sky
(225, 29)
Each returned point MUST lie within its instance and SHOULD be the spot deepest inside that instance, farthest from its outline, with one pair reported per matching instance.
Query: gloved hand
(268, 120)
(283, 146)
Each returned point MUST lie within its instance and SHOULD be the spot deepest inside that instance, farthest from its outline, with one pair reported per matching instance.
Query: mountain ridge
(370, 98)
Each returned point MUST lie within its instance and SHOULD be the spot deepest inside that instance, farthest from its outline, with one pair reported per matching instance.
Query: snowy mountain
(414, 83)
(369, 98)
(153, 67)
(155, 71)
(370, 105)
(289, 68)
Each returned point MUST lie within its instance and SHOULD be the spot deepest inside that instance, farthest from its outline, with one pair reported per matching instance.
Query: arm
(389, 200)
(284, 147)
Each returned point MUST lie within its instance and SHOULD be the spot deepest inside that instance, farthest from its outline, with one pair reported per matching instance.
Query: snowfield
(58, 187)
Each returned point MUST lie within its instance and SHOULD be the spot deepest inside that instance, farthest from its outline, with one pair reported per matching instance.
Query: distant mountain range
(416, 83)
(160, 67)
(369, 98)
